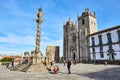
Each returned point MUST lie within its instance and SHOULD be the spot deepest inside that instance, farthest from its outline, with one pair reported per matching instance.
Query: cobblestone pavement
(78, 72)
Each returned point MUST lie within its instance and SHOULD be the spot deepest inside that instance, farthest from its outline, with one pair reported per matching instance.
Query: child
(56, 69)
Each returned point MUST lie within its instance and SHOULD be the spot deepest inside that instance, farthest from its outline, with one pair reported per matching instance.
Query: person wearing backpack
(68, 66)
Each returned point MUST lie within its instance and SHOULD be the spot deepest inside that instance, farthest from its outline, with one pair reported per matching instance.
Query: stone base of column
(37, 64)
(37, 58)
(37, 67)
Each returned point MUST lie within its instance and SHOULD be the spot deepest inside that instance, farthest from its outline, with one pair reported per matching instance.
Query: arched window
(83, 21)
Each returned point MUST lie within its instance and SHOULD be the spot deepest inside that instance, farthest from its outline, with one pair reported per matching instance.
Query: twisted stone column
(38, 35)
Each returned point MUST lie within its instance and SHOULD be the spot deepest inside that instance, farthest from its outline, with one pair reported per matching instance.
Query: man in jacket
(68, 66)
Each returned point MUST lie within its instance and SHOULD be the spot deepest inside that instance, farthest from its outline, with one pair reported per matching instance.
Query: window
(100, 39)
(101, 55)
(93, 41)
(93, 49)
(109, 37)
(118, 35)
(83, 22)
(110, 47)
(101, 48)
(101, 52)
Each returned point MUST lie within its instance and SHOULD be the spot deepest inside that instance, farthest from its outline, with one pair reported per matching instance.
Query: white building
(105, 44)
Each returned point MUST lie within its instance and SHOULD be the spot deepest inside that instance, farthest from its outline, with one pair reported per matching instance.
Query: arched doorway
(111, 54)
(74, 56)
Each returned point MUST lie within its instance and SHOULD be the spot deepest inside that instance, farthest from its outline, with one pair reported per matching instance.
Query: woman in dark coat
(68, 66)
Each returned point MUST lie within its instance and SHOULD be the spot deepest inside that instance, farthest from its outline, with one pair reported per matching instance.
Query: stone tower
(52, 54)
(87, 24)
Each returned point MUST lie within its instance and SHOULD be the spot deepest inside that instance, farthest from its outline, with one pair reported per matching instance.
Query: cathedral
(78, 39)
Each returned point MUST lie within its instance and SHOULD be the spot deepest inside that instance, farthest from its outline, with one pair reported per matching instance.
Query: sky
(18, 26)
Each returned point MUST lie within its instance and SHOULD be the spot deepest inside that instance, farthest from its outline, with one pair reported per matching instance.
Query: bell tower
(87, 24)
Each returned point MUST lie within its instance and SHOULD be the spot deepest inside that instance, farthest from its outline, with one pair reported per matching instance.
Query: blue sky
(18, 28)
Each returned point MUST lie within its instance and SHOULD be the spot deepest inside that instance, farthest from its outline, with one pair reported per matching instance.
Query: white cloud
(27, 40)
(15, 39)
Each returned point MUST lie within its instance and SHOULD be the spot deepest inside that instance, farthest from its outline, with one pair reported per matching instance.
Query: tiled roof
(8, 56)
(17, 60)
(18, 56)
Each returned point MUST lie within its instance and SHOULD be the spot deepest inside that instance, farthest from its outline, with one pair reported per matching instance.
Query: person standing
(68, 66)
(7, 65)
(12, 60)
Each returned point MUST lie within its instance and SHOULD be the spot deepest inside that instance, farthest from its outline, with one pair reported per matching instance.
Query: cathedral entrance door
(74, 56)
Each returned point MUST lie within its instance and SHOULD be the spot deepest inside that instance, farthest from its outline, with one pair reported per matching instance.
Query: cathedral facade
(76, 39)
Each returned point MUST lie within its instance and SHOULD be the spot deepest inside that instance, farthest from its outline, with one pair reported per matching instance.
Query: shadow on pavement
(51, 72)
(107, 74)
(62, 72)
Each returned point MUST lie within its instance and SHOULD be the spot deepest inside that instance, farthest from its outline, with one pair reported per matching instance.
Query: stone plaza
(79, 71)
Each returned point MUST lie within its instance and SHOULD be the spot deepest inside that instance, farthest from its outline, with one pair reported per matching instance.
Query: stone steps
(24, 69)
(14, 68)
(20, 67)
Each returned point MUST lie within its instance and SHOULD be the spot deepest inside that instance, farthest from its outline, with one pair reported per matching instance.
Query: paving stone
(78, 72)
